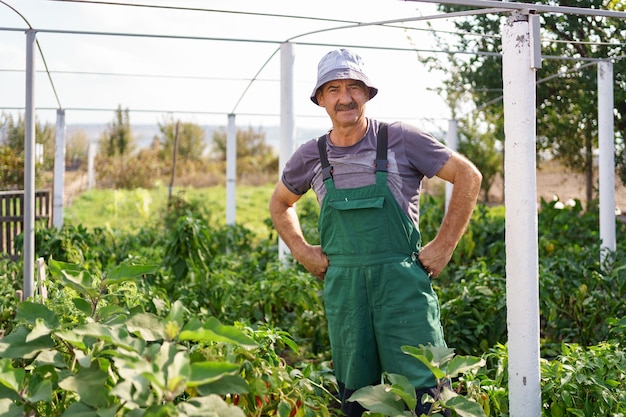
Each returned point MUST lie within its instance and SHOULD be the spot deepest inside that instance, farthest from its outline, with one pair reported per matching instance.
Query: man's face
(344, 100)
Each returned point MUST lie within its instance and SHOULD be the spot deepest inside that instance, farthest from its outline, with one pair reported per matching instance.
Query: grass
(127, 210)
(131, 209)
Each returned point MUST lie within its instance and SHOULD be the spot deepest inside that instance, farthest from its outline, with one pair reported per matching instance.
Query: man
(367, 177)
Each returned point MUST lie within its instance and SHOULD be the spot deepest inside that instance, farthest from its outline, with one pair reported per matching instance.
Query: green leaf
(90, 385)
(11, 377)
(176, 313)
(426, 357)
(227, 384)
(30, 312)
(16, 346)
(9, 409)
(462, 364)
(41, 392)
(50, 357)
(146, 325)
(39, 330)
(211, 405)
(111, 334)
(123, 273)
(73, 276)
(207, 372)
(82, 305)
(79, 409)
(379, 399)
(401, 386)
(437, 355)
(214, 331)
(465, 407)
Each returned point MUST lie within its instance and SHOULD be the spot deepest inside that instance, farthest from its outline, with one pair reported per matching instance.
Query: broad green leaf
(79, 409)
(11, 377)
(440, 354)
(50, 357)
(123, 273)
(211, 405)
(379, 399)
(214, 331)
(82, 305)
(108, 412)
(73, 276)
(426, 358)
(227, 384)
(178, 372)
(9, 409)
(41, 392)
(462, 364)
(73, 338)
(401, 386)
(147, 326)
(176, 313)
(15, 345)
(30, 312)
(465, 407)
(116, 335)
(90, 385)
(39, 330)
(207, 372)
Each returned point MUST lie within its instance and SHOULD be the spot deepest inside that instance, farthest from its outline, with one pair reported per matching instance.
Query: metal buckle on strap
(327, 172)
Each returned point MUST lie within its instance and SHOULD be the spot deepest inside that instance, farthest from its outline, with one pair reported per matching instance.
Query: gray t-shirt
(412, 154)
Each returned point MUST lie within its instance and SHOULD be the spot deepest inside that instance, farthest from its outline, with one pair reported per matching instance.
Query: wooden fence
(12, 217)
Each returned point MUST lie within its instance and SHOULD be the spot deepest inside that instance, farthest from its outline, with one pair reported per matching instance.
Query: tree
(117, 139)
(567, 88)
(255, 158)
(76, 150)
(115, 146)
(12, 139)
(484, 150)
(190, 140)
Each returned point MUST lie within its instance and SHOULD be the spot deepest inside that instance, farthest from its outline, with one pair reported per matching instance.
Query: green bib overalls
(377, 295)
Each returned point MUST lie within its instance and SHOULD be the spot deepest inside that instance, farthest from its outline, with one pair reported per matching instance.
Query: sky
(199, 64)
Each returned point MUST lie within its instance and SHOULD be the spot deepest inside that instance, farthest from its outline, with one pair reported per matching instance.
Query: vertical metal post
(452, 141)
(92, 150)
(29, 167)
(606, 143)
(520, 177)
(231, 170)
(287, 118)
(59, 171)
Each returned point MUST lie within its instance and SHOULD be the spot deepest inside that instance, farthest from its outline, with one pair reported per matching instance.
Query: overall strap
(381, 163)
(327, 169)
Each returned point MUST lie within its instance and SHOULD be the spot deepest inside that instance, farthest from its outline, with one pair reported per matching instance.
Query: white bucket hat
(341, 64)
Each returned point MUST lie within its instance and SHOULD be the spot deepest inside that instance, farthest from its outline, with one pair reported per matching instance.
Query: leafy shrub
(585, 381)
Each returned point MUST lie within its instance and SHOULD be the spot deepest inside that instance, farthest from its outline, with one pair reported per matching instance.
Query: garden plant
(185, 316)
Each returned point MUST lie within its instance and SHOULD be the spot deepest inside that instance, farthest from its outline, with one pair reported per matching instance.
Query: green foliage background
(209, 271)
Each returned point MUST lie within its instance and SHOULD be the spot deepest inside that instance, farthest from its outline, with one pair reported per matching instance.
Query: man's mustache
(350, 106)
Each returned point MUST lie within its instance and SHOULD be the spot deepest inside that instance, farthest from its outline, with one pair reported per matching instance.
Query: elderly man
(367, 177)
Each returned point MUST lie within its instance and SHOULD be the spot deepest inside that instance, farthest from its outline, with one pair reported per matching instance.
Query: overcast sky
(202, 80)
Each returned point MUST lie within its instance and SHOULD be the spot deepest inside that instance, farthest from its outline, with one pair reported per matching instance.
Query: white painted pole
(29, 167)
(287, 119)
(91, 162)
(607, 158)
(522, 259)
(452, 141)
(231, 170)
(59, 171)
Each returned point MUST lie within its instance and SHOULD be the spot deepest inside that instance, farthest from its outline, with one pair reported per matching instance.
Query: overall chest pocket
(358, 203)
